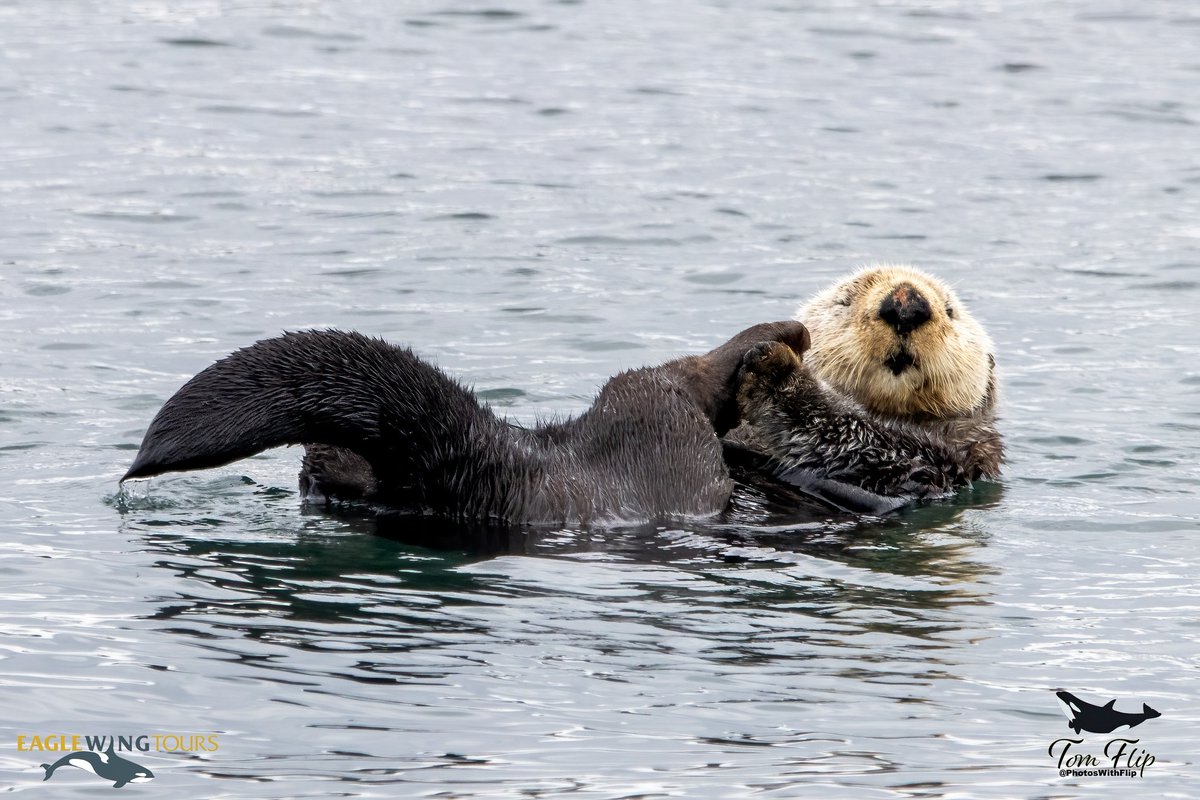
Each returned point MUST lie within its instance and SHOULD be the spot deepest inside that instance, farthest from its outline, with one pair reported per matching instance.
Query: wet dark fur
(825, 442)
(383, 425)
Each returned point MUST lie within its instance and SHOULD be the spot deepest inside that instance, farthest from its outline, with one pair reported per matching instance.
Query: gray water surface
(536, 195)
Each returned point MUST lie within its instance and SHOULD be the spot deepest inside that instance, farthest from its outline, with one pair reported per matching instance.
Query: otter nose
(905, 309)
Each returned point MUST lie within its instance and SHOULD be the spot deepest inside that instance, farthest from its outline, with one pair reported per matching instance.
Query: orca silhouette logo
(107, 765)
(1083, 716)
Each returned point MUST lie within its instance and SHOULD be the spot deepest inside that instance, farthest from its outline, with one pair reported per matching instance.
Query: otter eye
(950, 312)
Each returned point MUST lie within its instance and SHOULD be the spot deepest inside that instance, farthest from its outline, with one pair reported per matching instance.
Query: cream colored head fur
(941, 369)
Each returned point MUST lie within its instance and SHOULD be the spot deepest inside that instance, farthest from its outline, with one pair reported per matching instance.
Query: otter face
(900, 342)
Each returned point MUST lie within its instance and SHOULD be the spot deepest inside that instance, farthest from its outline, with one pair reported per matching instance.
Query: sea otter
(895, 400)
(385, 426)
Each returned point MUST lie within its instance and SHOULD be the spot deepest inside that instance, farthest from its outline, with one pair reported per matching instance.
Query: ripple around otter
(712, 169)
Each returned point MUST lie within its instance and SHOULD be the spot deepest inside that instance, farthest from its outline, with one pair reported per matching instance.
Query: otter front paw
(765, 367)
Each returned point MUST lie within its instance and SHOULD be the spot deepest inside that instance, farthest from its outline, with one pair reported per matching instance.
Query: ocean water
(536, 195)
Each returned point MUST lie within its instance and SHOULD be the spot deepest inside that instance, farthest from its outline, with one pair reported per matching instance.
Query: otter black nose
(905, 309)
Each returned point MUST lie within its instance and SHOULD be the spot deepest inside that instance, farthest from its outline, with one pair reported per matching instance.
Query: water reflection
(399, 599)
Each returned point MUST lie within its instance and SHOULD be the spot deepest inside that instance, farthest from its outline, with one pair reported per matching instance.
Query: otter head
(901, 343)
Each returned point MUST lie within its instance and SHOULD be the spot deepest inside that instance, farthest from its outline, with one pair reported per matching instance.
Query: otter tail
(322, 387)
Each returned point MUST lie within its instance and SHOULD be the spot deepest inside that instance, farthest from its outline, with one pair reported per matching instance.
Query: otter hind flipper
(841, 495)
(761, 470)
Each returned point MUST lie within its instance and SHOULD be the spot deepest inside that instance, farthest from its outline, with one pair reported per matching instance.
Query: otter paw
(770, 360)
(766, 366)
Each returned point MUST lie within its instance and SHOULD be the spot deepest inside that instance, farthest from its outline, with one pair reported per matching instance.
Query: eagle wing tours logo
(1119, 756)
(99, 754)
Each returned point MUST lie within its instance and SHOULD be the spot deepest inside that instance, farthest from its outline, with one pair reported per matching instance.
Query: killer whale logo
(1083, 716)
(107, 765)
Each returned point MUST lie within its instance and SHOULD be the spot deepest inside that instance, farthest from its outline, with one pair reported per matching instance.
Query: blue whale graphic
(107, 765)
(1083, 716)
